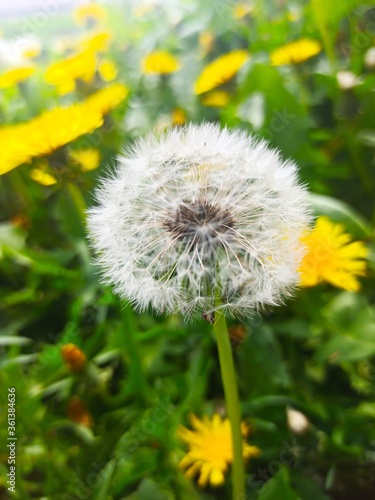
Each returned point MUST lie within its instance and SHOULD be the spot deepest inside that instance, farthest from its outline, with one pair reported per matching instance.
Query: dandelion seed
(198, 212)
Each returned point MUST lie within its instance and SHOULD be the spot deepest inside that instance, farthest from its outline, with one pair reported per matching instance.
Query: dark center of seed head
(200, 222)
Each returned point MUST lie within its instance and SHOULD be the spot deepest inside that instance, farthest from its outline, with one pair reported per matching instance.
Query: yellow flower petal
(210, 449)
(48, 131)
(216, 99)
(295, 52)
(16, 75)
(98, 41)
(220, 71)
(160, 62)
(88, 159)
(332, 257)
(63, 74)
(241, 10)
(89, 12)
(107, 98)
(178, 116)
(42, 177)
(107, 70)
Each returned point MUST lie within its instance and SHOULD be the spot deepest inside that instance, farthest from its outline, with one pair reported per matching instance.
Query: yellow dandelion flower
(108, 98)
(241, 10)
(295, 52)
(45, 133)
(216, 99)
(16, 75)
(59, 126)
(89, 12)
(73, 357)
(220, 71)
(178, 116)
(97, 42)
(107, 70)
(32, 50)
(88, 159)
(63, 74)
(15, 150)
(210, 449)
(78, 412)
(206, 42)
(332, 256)
(42, 177)
(160, 62)
(143, 9)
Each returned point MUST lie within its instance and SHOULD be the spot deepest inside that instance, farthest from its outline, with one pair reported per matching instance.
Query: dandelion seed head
(196, 212)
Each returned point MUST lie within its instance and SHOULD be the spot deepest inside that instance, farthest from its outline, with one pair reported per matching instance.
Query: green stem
(319, 11)
(228, 375)
(78, 200)
(137, 373)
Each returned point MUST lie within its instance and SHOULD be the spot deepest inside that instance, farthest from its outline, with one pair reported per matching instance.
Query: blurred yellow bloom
(97, 42)
(295, 52)
(59, 126)
(42, 177)
(63, 74)
(73, 357)
(216, 99)
(206, 42)
(108, 98)
(32, 50)
(178, 116)
(241, 10)
(88, 159)
(45, 133)
(15, 151)
(78, 412)
(143, 9)
(332, 256)
(89, 12)
(210, 449)
(16, 75)
(160, 62)
(220, 70)
(107, 70)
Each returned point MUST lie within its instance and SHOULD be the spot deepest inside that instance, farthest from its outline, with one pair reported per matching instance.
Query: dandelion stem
(78, 200)
(319, 11)
(228, 375)
(138, 377)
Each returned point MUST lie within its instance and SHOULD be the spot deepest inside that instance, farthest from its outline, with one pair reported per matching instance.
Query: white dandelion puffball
(197, 215)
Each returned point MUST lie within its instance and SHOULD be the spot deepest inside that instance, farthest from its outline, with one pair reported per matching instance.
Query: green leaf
(279, 488)
(351, 323)
(338, 211)
(13, 340)
(261, 365)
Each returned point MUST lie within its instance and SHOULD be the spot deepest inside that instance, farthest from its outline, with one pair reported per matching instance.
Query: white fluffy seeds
(197, 213)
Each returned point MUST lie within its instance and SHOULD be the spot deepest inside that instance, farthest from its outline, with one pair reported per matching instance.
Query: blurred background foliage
(100, 390)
